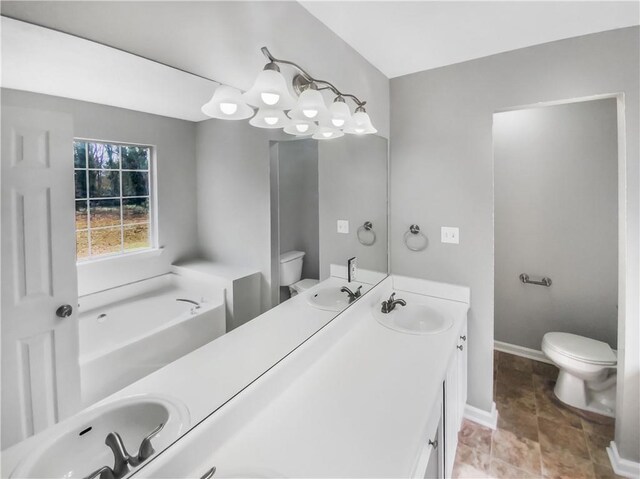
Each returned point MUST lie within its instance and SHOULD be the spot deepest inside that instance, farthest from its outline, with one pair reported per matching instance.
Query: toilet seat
(304, 284)
(580, 348)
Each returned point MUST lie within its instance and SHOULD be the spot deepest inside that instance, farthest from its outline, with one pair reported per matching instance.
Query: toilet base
(597, 397)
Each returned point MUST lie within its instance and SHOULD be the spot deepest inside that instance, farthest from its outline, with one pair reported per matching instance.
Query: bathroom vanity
(358, 399)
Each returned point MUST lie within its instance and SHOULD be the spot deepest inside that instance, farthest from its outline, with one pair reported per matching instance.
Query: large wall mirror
(145, 248)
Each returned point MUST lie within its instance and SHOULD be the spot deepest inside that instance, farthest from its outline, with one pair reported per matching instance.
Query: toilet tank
(290, 267)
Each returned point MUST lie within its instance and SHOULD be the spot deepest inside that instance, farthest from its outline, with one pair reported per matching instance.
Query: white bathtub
(128, 332)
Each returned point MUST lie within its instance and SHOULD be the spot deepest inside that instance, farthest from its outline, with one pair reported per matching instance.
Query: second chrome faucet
(390, 304)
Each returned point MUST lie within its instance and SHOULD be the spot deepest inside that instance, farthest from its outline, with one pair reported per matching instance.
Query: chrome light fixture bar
(307, 114)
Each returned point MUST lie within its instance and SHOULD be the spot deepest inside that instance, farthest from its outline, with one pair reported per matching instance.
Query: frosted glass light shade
(360, 124)
(326, 133)
(227, 104)
(310, 107)
(340, 114)
(269, 118)
(300, 128)
(270, 91)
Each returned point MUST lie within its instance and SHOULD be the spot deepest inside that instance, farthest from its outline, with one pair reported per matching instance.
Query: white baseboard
(521, 351)
(482, 417)
(622, 467)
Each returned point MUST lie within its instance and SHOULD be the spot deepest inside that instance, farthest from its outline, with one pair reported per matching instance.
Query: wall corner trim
(482, 417)
(521, 351)
(622, 467)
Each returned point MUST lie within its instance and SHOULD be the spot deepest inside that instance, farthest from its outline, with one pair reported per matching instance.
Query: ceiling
(402, 37)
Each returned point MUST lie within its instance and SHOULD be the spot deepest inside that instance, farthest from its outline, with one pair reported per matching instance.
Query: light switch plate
(450, 234)
(343, 226)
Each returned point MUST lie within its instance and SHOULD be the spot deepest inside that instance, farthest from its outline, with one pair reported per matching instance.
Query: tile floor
(537, 436)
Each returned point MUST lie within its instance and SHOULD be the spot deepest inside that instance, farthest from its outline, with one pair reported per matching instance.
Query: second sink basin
(330, 298)
(80, 449)
(414, 319)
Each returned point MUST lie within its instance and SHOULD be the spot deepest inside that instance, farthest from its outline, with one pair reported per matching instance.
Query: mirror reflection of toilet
(291, 272)
(587, 378)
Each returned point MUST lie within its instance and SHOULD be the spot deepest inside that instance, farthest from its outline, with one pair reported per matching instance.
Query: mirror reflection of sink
(331, 298)
(80, 450)
(413, 319)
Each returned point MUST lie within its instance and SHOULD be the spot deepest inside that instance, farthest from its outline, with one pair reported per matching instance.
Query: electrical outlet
(351, 269)
(450, 234)
(343, 226)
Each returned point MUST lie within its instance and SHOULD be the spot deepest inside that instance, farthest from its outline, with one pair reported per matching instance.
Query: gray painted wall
(556, 215)
(353, 186)
(233, 196)
(442, 175)
(220, 40)
(298, 202)
(174, 141)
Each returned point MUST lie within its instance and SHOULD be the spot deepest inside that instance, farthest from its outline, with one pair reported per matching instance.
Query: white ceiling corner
(403, 37)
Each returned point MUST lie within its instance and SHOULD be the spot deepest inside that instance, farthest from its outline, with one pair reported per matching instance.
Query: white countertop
(209, 376)
(353, 401)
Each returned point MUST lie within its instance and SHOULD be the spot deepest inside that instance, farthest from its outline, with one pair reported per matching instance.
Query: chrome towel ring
(415, 240)
(365, 233)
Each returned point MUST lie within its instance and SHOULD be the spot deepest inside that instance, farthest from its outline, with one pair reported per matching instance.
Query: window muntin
(113, 198)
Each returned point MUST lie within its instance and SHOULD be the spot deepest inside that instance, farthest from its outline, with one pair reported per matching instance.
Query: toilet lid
(581, 348)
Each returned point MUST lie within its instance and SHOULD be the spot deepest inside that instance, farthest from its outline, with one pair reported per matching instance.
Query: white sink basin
(330, 298)
(413, 319)
(80, 450)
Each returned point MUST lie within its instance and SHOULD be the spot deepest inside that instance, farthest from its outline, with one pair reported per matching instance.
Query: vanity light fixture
(270, 90)
(269, 118)
(307, 115)
(310, 106)
(300, 128)
(360, 123)
(327, 133)
(339, 113)
(227, 104)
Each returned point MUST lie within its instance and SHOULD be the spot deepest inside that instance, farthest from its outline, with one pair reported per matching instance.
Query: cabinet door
(462, 353)
(451, 412)
(435, 466)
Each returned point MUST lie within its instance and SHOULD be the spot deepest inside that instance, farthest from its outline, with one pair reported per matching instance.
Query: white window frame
(153, 211)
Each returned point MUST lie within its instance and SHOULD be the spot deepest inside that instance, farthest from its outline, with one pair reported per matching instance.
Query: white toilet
(291, 272)
(587, 378)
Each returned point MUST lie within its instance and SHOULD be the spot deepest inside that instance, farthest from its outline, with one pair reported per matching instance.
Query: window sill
(133, 256)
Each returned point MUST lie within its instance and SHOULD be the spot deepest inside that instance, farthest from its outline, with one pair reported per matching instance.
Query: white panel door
(40, 371)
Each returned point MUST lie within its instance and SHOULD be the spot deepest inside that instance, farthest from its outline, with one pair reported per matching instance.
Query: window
(113, 198)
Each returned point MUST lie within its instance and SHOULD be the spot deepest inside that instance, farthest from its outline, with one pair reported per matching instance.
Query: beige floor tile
(472, 457)
(518, 422)
(509, 361)
(502, 470)
(554, 436)
(465, 471)
(605, 472)
(604, 427)
(561, 464)
(476, 437)
(517, 451)
(597, 448)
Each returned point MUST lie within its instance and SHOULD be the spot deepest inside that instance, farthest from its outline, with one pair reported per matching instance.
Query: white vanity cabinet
(445, 420)
(455, 399)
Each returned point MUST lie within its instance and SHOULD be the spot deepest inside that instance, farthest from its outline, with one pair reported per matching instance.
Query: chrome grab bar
(524, 277)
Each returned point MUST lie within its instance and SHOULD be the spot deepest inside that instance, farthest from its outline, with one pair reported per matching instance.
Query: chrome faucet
(121, 457)
(352, 295)
(390, 304)
(195, 303)
(122, 461)
(146, 449)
